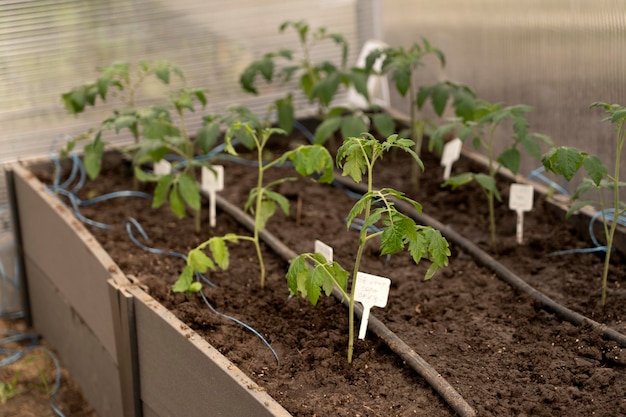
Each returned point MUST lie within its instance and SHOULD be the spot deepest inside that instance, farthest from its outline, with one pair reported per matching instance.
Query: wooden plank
(78, 348)
(79, 267)
(122, 306)
(184, 376)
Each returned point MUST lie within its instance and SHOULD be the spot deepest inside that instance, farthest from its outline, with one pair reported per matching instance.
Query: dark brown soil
(503, 353)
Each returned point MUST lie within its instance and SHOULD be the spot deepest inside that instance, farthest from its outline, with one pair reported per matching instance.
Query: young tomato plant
(263, 201)
(309, 274)
(566, 161)
(158, 130)
(403, 64)
(319, 82)
(481, 124)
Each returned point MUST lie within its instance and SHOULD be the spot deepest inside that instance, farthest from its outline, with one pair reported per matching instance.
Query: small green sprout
(309, 274)
(319, 82)
(567, 161)
(263, 201)
(480, 124)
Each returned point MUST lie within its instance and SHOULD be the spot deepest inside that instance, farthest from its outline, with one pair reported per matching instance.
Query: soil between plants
(503, 353)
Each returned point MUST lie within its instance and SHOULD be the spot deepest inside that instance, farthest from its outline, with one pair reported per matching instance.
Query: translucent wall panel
(557, 55)
(49, 46)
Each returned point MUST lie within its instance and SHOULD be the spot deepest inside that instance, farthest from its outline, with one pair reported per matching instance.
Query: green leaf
(189, 191)
(488, 183)
(315, 281)
(326, 129)
(285, 111)
(595, 168)
(176, 202)
(282, 201)
(93, 158)
(384, 123)
(563, 160)
(208, 135)
(199, 261)
(577, 206)
(358, 207)
(325, 90)
(296, 268)
(184, 280)
(439, 98)
(268, 208)
(161, 190)
(313, 159)
(510, 158)
(353, 125)
(401, 78)
(220, 253)
(459, 180)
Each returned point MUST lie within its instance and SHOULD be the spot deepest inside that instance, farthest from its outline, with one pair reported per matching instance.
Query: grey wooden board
(59, 245)
(184, 376)
(122, 305)
(78, 348)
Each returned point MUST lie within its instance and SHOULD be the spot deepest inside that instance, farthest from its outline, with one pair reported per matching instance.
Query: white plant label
(211, 183)
(324, 250)
(451, 153)
(521, 200)
(370, 291)
(162, 167)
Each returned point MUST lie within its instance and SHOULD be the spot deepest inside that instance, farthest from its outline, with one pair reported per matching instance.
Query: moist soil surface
(501, 351)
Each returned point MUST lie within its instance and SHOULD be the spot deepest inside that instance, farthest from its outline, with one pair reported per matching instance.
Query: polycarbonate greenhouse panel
(556, 55)
(49, 46)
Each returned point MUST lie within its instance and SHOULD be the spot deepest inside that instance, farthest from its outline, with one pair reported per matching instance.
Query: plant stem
(257, 211)
(357, 262)
(610, 233)
(492, 173)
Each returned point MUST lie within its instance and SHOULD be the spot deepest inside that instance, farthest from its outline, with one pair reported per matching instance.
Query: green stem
(257, 210)
(490, 196)
(357, 263)
(616, 200)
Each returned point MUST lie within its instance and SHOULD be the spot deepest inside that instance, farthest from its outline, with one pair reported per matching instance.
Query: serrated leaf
(199, 261)
(296, 268)
(313, 159)
(595, 168)
(220, 252)
(459, 180)
(563, 160)
(358, 208)
(314, 282)
(184, 280)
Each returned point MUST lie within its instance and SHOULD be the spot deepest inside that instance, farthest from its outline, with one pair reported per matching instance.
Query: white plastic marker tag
(370, 291)
(451, 153)
(521, 200)
(211, 183)
(162, 167)
(324, 250)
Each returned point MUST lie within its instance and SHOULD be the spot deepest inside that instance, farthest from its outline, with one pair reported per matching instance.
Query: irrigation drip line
(501, 271)
(397, 345)
(130, 223)
(14, 354)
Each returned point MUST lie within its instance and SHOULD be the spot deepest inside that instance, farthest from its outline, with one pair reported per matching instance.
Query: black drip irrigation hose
(397, 345)
(501, 271)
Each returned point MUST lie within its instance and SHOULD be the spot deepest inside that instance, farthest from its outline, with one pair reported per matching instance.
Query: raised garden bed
(502, 352)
